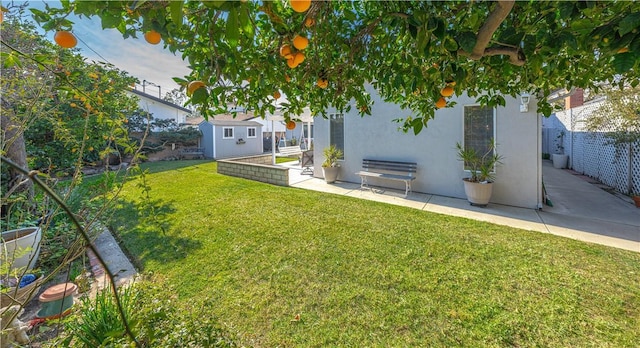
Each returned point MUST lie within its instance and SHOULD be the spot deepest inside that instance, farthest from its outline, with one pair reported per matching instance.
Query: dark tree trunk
(14, 148)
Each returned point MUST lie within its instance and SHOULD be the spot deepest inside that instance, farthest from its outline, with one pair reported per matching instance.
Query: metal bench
(389, 170)
(289, 151)
(192, 152)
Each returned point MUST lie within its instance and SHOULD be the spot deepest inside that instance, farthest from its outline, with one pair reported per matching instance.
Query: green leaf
(110, 20)
(450, 44)
(245, 21)
(199, 96)
(417, 125)
(176, 12)
(582, 26)
(628, 23)
(232, 33)
(623, 62)
(467, 40)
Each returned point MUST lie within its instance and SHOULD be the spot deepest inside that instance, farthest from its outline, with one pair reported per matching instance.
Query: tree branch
(515, 55)
(496, 17)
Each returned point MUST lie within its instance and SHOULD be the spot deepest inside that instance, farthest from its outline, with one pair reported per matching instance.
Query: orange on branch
(277, 94)
(285, 51)
(322, 83)
(300, 5)
(300, 42)
(446, 92)
(298, 58)
(153, 37)
(193, 86)
(291, 63)
(309, 22)
(291, 125)
(441, 103)
(65, 39)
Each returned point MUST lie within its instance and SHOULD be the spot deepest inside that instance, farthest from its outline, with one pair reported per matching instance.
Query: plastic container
(56, 300)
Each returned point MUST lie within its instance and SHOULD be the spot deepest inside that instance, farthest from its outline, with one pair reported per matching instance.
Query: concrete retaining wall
(258, 168)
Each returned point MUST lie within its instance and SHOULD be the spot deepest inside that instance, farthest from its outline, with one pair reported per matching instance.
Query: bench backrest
(289, 150)
(373, 165)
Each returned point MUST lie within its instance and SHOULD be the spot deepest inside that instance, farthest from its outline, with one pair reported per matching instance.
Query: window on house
(251, 132)
(336, 131)
(227, 132)
(479, 128)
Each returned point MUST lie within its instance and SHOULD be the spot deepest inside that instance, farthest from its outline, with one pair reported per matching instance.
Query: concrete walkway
(581, 210)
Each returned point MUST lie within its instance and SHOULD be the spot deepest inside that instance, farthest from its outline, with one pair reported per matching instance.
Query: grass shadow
(146, 230)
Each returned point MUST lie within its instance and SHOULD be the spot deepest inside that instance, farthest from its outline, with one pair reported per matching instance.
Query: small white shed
(230, 138)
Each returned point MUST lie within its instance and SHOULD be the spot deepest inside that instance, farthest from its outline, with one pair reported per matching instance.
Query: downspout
(539, 162)
(213, 140)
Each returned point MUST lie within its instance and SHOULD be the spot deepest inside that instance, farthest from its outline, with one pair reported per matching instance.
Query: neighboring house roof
(156, 99)
(240, 116)
(233, 123)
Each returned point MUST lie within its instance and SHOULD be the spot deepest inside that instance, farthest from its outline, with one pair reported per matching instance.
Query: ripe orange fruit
(65, 39)
(309, 22)
(441, 103)
(446, 92)
(193, 86)
(291, 125)
(322, 83)
(300, 5)
(300, 42)
(291, 63)
(276, 94)
(285, 51)
(153, 37)
(298, 58)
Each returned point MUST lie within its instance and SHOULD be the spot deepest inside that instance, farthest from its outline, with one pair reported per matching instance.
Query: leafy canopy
(408, 50)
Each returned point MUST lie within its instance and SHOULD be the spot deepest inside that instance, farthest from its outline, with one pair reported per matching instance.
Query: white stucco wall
(518, 179)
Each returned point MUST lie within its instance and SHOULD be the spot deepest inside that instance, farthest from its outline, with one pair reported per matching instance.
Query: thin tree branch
(496, 17)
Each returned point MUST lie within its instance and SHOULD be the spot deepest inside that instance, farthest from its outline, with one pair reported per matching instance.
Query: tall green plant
(480, 165)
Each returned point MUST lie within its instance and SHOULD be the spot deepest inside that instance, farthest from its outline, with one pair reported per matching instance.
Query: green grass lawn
(362, 273)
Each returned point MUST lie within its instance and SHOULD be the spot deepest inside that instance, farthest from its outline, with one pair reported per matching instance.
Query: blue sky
(135, 56)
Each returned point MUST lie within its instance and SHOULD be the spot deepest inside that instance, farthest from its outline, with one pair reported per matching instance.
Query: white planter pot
(477, 193)
(330, 174)
(559, 161)
(21, 247)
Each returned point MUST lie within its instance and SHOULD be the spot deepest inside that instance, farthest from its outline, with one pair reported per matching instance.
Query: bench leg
(407, 188)
(363, 184)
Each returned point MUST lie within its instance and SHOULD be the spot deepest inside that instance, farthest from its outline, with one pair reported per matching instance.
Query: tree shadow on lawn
(143, 228)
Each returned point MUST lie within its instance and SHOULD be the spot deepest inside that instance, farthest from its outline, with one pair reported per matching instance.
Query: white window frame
(224, 133)
(255, 132)
(332, 116)
(495, 127)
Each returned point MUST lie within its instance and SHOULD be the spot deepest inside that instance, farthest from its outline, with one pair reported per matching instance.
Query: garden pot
(56, 300)
(636, 200)
(330, 174)
(478, 193)
(559, 161)
(21, 247)
(20, 295)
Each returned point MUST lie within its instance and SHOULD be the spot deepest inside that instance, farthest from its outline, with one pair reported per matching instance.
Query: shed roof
(233, 123)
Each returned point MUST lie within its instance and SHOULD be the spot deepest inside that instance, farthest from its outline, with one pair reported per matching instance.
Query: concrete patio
(581, 210)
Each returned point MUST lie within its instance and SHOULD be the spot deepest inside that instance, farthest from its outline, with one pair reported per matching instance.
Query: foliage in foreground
(152, 316)
(407, 50)
(362, 273)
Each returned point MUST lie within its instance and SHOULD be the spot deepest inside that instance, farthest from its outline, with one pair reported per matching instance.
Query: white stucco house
(517, 133)
(159, 108)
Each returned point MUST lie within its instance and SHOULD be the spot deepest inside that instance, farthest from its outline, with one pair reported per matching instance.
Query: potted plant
(560, 159)
(330, 165)
(479, 185)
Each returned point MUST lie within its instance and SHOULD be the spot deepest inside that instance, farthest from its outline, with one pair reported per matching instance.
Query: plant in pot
(481, 165)
(560, 159)
(330, 165)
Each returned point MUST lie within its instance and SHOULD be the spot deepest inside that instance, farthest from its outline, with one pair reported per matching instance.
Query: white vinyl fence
(590, 152)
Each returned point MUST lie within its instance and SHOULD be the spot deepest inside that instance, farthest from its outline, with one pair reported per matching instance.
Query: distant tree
(618, 118)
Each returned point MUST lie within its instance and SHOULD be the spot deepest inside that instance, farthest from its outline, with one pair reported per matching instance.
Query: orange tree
(407, 50)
